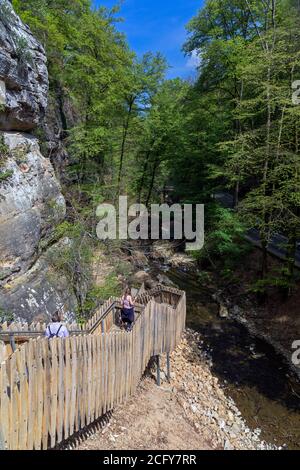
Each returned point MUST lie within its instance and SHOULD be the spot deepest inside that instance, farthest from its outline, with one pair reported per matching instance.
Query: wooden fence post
(158, 369)
(2, 445)
(168, 368)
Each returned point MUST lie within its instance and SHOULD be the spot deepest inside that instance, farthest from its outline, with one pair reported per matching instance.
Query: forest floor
(189, 413)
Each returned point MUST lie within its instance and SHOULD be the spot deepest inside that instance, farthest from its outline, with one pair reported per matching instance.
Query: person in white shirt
(56, 329)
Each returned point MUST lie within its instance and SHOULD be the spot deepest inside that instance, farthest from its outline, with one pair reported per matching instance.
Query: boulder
(140, 277)
(223, 311)
(150, 284)
(139, 259)
(23, 74)
(162, 250)
(163, 279)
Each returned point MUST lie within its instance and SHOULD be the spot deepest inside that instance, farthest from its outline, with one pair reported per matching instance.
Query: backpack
(54, 335)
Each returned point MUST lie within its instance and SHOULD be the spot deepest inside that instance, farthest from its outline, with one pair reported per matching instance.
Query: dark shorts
(128, 315)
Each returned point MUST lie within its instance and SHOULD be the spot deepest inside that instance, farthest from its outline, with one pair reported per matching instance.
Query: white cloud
(194, 61)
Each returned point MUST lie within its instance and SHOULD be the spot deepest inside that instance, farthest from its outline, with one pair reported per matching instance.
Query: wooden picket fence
(51, 389)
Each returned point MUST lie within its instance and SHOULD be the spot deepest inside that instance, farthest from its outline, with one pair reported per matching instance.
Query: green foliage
(111, 288)
(224, 246)
(22, 51)
(5, 175)
(89, 66)
(161, 141)
(128, 130)
(4, 150)
(68, 229)
(6, 14)
(243, 124)
(4, 154)
(72, 258)
(278, 280)
(6, 316)
(19, 153)
(204, 277)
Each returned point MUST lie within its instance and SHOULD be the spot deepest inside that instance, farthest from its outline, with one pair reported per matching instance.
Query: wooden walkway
(51, 389)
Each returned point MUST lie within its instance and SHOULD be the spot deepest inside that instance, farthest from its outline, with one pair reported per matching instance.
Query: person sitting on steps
(56, 329)
(127, 309)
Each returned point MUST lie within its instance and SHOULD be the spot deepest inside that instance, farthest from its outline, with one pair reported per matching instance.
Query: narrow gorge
(91, 111)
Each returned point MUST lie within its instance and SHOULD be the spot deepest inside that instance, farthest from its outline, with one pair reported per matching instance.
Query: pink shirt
(127, 301)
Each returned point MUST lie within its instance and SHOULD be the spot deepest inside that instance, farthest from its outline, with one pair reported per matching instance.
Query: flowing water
(250, 371)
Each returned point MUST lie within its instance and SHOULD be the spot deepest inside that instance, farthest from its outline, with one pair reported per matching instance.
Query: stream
(266, 392)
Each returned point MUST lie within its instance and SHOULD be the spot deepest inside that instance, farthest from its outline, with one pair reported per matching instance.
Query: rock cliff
(31, 202)
(23, 74)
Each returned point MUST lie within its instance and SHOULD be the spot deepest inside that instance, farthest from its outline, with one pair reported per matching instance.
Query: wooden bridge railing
(51, 389)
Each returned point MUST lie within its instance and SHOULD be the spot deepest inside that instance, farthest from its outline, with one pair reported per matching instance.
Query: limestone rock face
(31, 202)
(23, 74)
(31, 206)
(38, 292)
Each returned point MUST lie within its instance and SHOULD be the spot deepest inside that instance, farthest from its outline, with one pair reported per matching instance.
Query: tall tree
(146, 76)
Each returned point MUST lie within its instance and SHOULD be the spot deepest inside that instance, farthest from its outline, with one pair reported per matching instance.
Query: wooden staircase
(50, 389)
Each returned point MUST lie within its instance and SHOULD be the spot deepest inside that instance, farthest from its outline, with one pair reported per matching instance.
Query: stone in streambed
(223, 311)
(163, 279)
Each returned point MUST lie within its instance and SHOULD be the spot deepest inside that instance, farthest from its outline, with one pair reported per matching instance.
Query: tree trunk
(155, 166)
(125, 133)
(142, 180)
(292, 249)
(264, 238)
(264, 258)
(236, 195)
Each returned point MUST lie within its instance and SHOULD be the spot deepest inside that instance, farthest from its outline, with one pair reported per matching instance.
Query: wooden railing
(51, 389)
(14, 333)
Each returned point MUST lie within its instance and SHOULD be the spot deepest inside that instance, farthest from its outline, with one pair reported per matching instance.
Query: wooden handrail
(95, 320)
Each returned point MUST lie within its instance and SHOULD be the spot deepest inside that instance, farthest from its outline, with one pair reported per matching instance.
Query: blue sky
(158, 25)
